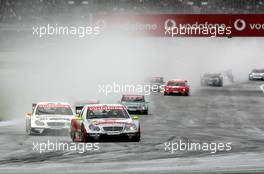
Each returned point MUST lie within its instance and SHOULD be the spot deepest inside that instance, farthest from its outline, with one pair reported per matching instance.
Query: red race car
(177, 87)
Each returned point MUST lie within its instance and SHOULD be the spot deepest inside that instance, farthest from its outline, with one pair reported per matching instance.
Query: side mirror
(135, 117)
(29, 114)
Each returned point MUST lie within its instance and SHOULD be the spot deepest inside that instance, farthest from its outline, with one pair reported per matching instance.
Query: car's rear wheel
(136, 139)
(83, 134)
(73, 135)
(29, 132)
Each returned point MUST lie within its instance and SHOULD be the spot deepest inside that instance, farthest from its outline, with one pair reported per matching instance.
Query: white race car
(100, 121)
(256, 74)
(49, 116)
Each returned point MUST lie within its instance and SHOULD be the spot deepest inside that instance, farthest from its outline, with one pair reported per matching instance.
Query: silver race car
(256, 74)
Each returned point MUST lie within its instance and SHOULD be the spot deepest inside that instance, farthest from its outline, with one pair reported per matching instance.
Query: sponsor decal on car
(94, 108)
(52, 105)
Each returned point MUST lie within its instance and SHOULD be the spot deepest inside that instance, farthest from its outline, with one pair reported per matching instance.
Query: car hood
(212, 78)
(55, 117)
(133, 103)
(110, 121)
(260, 74)
(177, 87)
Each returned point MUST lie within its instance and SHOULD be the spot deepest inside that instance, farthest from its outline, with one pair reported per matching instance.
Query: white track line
(262, 88)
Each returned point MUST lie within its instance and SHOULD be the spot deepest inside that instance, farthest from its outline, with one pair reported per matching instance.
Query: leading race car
(212, 79)
(49, 116)
(177, 87)
(256, 74)
(101, 121)
(135, 103)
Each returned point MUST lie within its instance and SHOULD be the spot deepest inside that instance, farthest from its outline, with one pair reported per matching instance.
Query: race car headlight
(94, 127)
(130, 127)
(39, 123)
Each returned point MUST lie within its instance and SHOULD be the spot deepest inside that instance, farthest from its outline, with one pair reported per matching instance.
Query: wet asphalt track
(234, 113)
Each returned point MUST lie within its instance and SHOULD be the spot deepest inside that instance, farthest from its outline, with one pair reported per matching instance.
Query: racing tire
(29, 132)
(73, 136)
(187, 94)
(83, 134)
(136, 139)
(146, 112)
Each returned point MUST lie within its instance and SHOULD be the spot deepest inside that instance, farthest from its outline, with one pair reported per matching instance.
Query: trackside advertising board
(187, 25)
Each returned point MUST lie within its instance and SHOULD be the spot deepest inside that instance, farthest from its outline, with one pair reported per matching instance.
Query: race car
(80, 104)
(49, 116)
(256, 74)
(157, 84)
(212, 79)
(135, 103)
(177, 87)
(101, 121)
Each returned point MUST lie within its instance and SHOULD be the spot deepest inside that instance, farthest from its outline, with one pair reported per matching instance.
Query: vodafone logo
(240, 24)
(169, 23)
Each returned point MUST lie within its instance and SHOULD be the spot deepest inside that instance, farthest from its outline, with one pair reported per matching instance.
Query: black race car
(212, 79)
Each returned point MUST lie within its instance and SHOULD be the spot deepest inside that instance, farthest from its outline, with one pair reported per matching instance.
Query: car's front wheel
(73, 135)
(136, 139)
(83, 134)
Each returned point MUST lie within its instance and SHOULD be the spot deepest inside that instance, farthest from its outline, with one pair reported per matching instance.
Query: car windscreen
(176, 84)
(99, 113)
(212, 76)
(53, 110)
(133, 99)
(258, 71)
